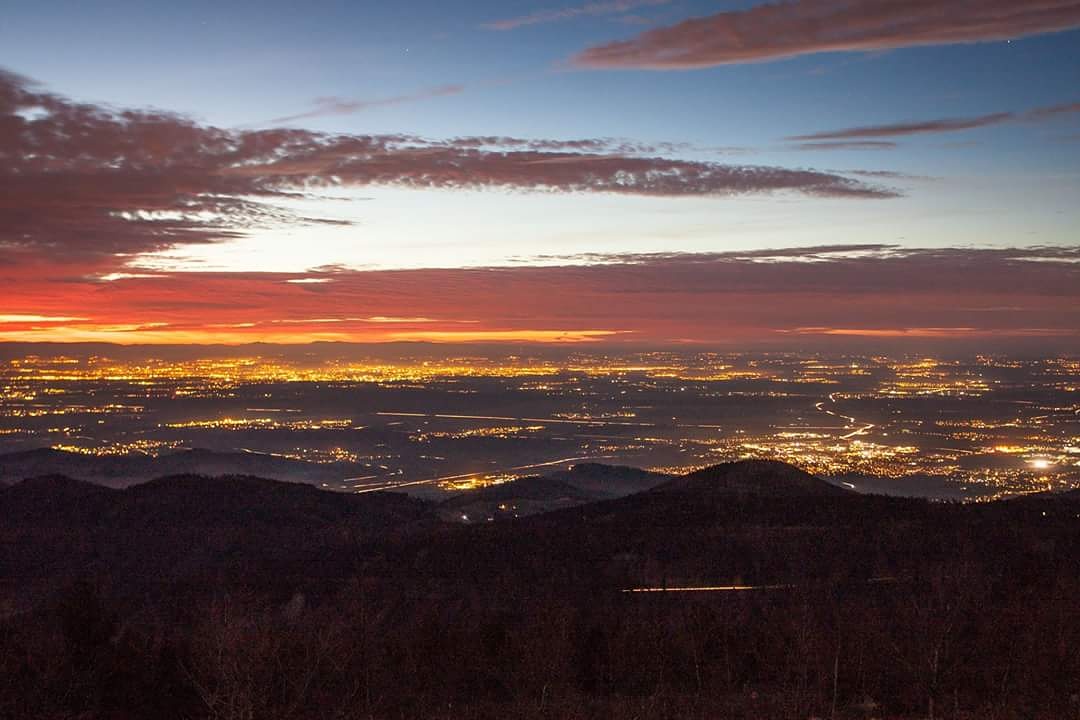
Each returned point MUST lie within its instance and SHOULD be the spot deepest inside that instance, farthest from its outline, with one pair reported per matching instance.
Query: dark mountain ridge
(590, 482)
(125, 470)
(192, 531)
(198, 499)
(609, 481)
(752, 477)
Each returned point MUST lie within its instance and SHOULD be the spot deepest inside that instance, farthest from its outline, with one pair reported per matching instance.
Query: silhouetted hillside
(125, 470)
(188, 529)
(767, 594)
(53, 499)
(751, 477)
(609, 481)
(591, 482)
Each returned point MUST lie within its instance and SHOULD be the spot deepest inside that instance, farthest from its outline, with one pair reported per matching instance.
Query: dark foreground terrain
(237, 597)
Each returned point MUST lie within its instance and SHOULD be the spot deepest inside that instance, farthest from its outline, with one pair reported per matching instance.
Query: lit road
(708, 588)
(861, 431)
(553, 421)
(854, 433)
(740, 588)
(561, 421)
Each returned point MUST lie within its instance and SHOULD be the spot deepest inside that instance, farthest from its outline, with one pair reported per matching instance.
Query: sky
(657, 172)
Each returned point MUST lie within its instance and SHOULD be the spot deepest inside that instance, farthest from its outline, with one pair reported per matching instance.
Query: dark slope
(1049, 500)
(195, 531)
(243, 500)
(201, 500)
(756, 522)
(193, 583)
(752, 477)
(1071, 495)
(609, 481)
(123, 471)
(54, 499)
(753, 523)
(592, 482)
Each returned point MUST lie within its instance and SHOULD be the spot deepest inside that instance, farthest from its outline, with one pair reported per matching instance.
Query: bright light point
(1041, 464)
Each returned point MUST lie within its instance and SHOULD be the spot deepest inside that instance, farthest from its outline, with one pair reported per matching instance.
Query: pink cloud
(86, 184)
(915, 128)
(782, 30)
(943, 125)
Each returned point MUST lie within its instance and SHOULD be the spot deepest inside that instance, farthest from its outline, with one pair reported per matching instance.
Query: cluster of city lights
(843, 417)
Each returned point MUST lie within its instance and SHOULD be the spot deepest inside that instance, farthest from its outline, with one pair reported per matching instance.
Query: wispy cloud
(942, 125)
(915, 128)
(782, 30)
(342, 106)
(87, 184)
(1053, 111)
(555, 15)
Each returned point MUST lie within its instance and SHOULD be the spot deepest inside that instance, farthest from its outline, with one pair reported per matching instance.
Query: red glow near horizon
(933, 295)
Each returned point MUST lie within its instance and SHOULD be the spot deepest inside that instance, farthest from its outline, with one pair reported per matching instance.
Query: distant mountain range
(252, 526)
(187, 528)
(580, 484)
(120, 471)
(591, 482)
(751, 477)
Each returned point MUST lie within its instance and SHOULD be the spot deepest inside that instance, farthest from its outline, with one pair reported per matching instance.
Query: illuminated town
(974, 429)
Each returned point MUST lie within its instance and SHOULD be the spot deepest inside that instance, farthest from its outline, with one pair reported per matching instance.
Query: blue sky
(247, 62)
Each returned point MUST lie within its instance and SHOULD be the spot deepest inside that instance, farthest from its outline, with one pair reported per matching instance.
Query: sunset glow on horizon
(149, 198)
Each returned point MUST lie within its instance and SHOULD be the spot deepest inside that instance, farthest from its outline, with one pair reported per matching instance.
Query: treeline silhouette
(242, 598)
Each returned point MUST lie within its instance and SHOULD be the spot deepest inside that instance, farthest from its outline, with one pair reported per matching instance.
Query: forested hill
(750, 590)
